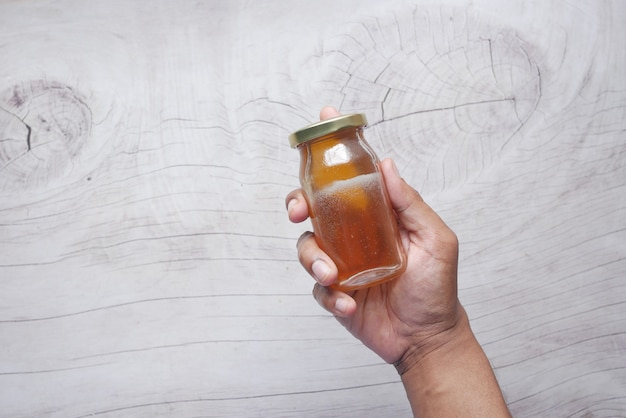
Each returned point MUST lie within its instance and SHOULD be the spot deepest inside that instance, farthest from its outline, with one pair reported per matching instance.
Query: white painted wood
(147, 267)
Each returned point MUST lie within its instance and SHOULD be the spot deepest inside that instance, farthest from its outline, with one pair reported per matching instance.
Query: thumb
(413, 213)
(328, 112)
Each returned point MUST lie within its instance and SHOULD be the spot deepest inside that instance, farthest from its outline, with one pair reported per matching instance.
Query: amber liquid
(351, 214)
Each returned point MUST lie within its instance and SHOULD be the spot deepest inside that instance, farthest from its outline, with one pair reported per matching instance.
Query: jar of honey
(352, 218)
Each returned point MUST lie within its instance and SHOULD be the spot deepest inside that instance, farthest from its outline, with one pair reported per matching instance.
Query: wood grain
(147, 267)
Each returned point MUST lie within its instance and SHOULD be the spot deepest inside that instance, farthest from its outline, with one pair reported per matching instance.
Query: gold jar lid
(326, 127)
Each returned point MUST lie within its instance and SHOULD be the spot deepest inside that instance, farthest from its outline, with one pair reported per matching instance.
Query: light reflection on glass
(336, 155)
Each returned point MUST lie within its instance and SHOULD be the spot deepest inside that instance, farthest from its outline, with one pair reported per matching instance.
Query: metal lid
(326, 127)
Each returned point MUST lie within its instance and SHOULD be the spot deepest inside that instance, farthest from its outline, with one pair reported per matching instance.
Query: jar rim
(325, 127)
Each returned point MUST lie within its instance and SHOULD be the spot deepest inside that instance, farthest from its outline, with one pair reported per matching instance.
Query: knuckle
(303, 238)
(321, 296)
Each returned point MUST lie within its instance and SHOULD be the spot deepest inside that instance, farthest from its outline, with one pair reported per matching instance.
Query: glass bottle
(352, 218)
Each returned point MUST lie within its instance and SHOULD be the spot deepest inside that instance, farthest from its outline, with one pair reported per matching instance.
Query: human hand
(403, 319)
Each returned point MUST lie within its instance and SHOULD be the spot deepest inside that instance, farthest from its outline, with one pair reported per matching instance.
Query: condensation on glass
(349, 207)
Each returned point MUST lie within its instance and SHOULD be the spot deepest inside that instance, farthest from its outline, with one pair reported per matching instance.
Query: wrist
(448, 337)
(448, 374)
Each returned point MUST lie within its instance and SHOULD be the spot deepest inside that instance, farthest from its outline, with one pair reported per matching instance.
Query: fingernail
(320, 270)
(341, 305)
(291, 204)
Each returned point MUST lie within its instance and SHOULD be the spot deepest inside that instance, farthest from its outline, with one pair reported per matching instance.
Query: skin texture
(416, 321)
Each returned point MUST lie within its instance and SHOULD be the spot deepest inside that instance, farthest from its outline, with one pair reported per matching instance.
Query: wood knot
(458, 92)
(43, 125)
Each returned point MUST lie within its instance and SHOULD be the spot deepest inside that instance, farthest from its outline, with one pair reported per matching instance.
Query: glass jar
(353, 221)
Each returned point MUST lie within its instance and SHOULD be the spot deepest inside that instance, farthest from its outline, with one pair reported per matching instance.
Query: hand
(404, 319)
(414, 321)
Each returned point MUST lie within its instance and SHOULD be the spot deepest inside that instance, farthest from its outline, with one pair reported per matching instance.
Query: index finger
(297, 207)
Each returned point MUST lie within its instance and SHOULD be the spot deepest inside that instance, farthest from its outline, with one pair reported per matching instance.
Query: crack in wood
(441, 109)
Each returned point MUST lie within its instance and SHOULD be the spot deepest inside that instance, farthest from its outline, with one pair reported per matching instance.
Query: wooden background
(147, 266)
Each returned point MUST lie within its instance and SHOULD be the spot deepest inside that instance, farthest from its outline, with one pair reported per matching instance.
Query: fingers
(334, 301)
(321, 267)
(297, 208)
(312, 258)
(315, 261)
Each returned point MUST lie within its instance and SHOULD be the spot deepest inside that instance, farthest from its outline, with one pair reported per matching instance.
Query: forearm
(454, 379)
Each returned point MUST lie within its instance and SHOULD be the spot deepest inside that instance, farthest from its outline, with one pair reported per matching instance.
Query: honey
(352, 218)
